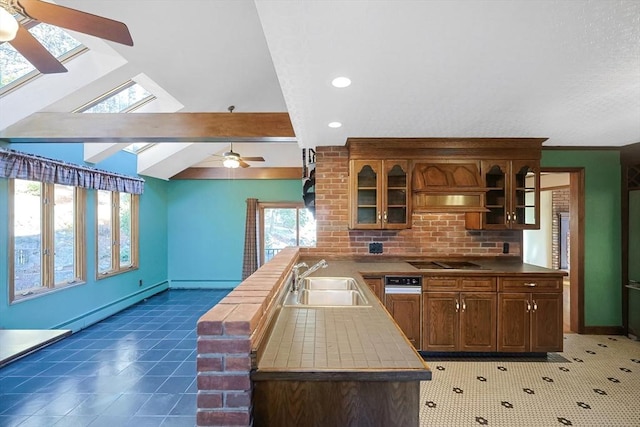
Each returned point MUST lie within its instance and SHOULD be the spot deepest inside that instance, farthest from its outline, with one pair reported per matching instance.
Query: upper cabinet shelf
(378, 194)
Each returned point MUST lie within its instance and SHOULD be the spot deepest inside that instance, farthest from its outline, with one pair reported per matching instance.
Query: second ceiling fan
(29, 47)
(231, 159)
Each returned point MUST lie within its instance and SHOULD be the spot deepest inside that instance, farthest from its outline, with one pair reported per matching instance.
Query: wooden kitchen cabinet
(459, 321)
(379, 194)
(530, 321)
(512, 196)
(405, 310)
(376, 285)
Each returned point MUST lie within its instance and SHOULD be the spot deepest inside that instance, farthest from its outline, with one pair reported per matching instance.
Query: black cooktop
(446, 265)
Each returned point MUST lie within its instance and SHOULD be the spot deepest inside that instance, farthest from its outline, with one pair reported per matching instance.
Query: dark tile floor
(136, 368)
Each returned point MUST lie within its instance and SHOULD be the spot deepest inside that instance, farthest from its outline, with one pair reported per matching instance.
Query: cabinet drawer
(478, 284)
(440, 284)
(529, 284)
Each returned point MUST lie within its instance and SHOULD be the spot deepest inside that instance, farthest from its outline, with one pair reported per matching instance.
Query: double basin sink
(327, 292)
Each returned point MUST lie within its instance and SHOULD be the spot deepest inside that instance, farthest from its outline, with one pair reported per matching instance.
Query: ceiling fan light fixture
(8, 26)
(231, 160)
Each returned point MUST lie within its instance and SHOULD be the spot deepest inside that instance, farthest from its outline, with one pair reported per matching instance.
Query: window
(117, 232)
(15, 67)
(125, 98)
(282, 225)
(47, 237)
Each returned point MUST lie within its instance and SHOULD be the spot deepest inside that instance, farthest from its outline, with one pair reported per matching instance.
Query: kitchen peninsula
(254, 351)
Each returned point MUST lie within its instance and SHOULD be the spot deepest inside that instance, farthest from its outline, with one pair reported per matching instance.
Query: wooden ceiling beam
(151, 127)
(240, 173)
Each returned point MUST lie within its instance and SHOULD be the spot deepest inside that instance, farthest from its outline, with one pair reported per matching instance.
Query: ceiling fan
(232, 160)
(20, 38)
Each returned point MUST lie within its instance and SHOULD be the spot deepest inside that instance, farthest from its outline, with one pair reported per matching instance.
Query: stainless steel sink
(331, 298)
(327, 292)
(329, 283)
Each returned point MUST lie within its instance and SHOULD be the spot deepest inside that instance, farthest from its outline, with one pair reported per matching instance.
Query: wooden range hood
(447, 187)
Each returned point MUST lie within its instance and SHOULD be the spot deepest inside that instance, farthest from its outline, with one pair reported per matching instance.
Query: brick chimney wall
(432, 234)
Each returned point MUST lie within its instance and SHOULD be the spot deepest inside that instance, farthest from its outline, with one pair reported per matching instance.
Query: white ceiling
(566, 70)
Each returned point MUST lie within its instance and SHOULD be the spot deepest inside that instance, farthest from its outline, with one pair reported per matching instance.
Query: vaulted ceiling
(565, 70)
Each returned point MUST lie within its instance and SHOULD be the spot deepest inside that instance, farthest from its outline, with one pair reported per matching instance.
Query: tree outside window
(282, 225)
(117, 232)
(47, 241)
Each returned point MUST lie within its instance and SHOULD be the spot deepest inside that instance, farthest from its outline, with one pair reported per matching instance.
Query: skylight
(14, 67)
(123, 99)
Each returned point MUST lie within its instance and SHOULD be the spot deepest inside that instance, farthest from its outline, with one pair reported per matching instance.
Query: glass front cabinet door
(513, 194)
(379, 194)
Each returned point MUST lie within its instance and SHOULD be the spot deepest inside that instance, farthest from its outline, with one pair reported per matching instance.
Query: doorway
(630, 160)
(559, 244)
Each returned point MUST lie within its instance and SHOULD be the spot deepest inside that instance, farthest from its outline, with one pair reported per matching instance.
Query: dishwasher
(407, 285)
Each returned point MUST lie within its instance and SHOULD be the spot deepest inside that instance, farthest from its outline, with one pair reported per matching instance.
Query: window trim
(47, 240)
(116, 268)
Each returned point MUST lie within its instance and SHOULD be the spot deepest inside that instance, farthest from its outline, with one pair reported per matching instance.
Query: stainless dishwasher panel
(405, 290)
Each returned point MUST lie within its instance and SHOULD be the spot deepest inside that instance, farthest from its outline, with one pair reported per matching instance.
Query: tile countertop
(340, 343)
(358, 342)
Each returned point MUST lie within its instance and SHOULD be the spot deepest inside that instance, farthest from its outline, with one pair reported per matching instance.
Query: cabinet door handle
(528, 306)
(385, 216)
(514, 217)
(535, 306)
(457, 306)
(531, 284)
(508, 217)
(464, 305)
(379, 216)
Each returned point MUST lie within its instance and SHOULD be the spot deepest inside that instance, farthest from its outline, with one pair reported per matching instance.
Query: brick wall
(560, 203)
(226, 336)
(432, 234)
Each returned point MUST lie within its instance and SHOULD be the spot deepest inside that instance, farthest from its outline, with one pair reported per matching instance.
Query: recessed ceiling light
(341, 82)
(335, 125)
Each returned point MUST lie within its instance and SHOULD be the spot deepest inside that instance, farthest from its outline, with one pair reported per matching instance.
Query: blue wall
(206, 227)
(78, 306)
(602, 240)
(191, 235)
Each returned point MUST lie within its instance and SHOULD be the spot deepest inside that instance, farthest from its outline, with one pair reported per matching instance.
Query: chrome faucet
(297, 276)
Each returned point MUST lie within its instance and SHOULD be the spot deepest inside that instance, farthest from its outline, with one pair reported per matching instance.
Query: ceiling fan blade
(76, 20)
(244, 165)
(253, 159)
(34, 52)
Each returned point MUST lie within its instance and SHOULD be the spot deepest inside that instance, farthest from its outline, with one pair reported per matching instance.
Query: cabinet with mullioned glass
(512, 194)
(378, 194)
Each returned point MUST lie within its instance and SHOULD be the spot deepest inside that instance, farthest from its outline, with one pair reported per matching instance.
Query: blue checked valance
(14, 164)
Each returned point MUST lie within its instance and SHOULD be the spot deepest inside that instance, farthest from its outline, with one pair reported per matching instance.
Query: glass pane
(64, 238)
(525, 196)
(495, 196)
(307, 229)
(396, 177)
(15, 66)
(366, 177)
(27, 230)
(104, 237)
(120, 101)
(279, 230)
(125, 229)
